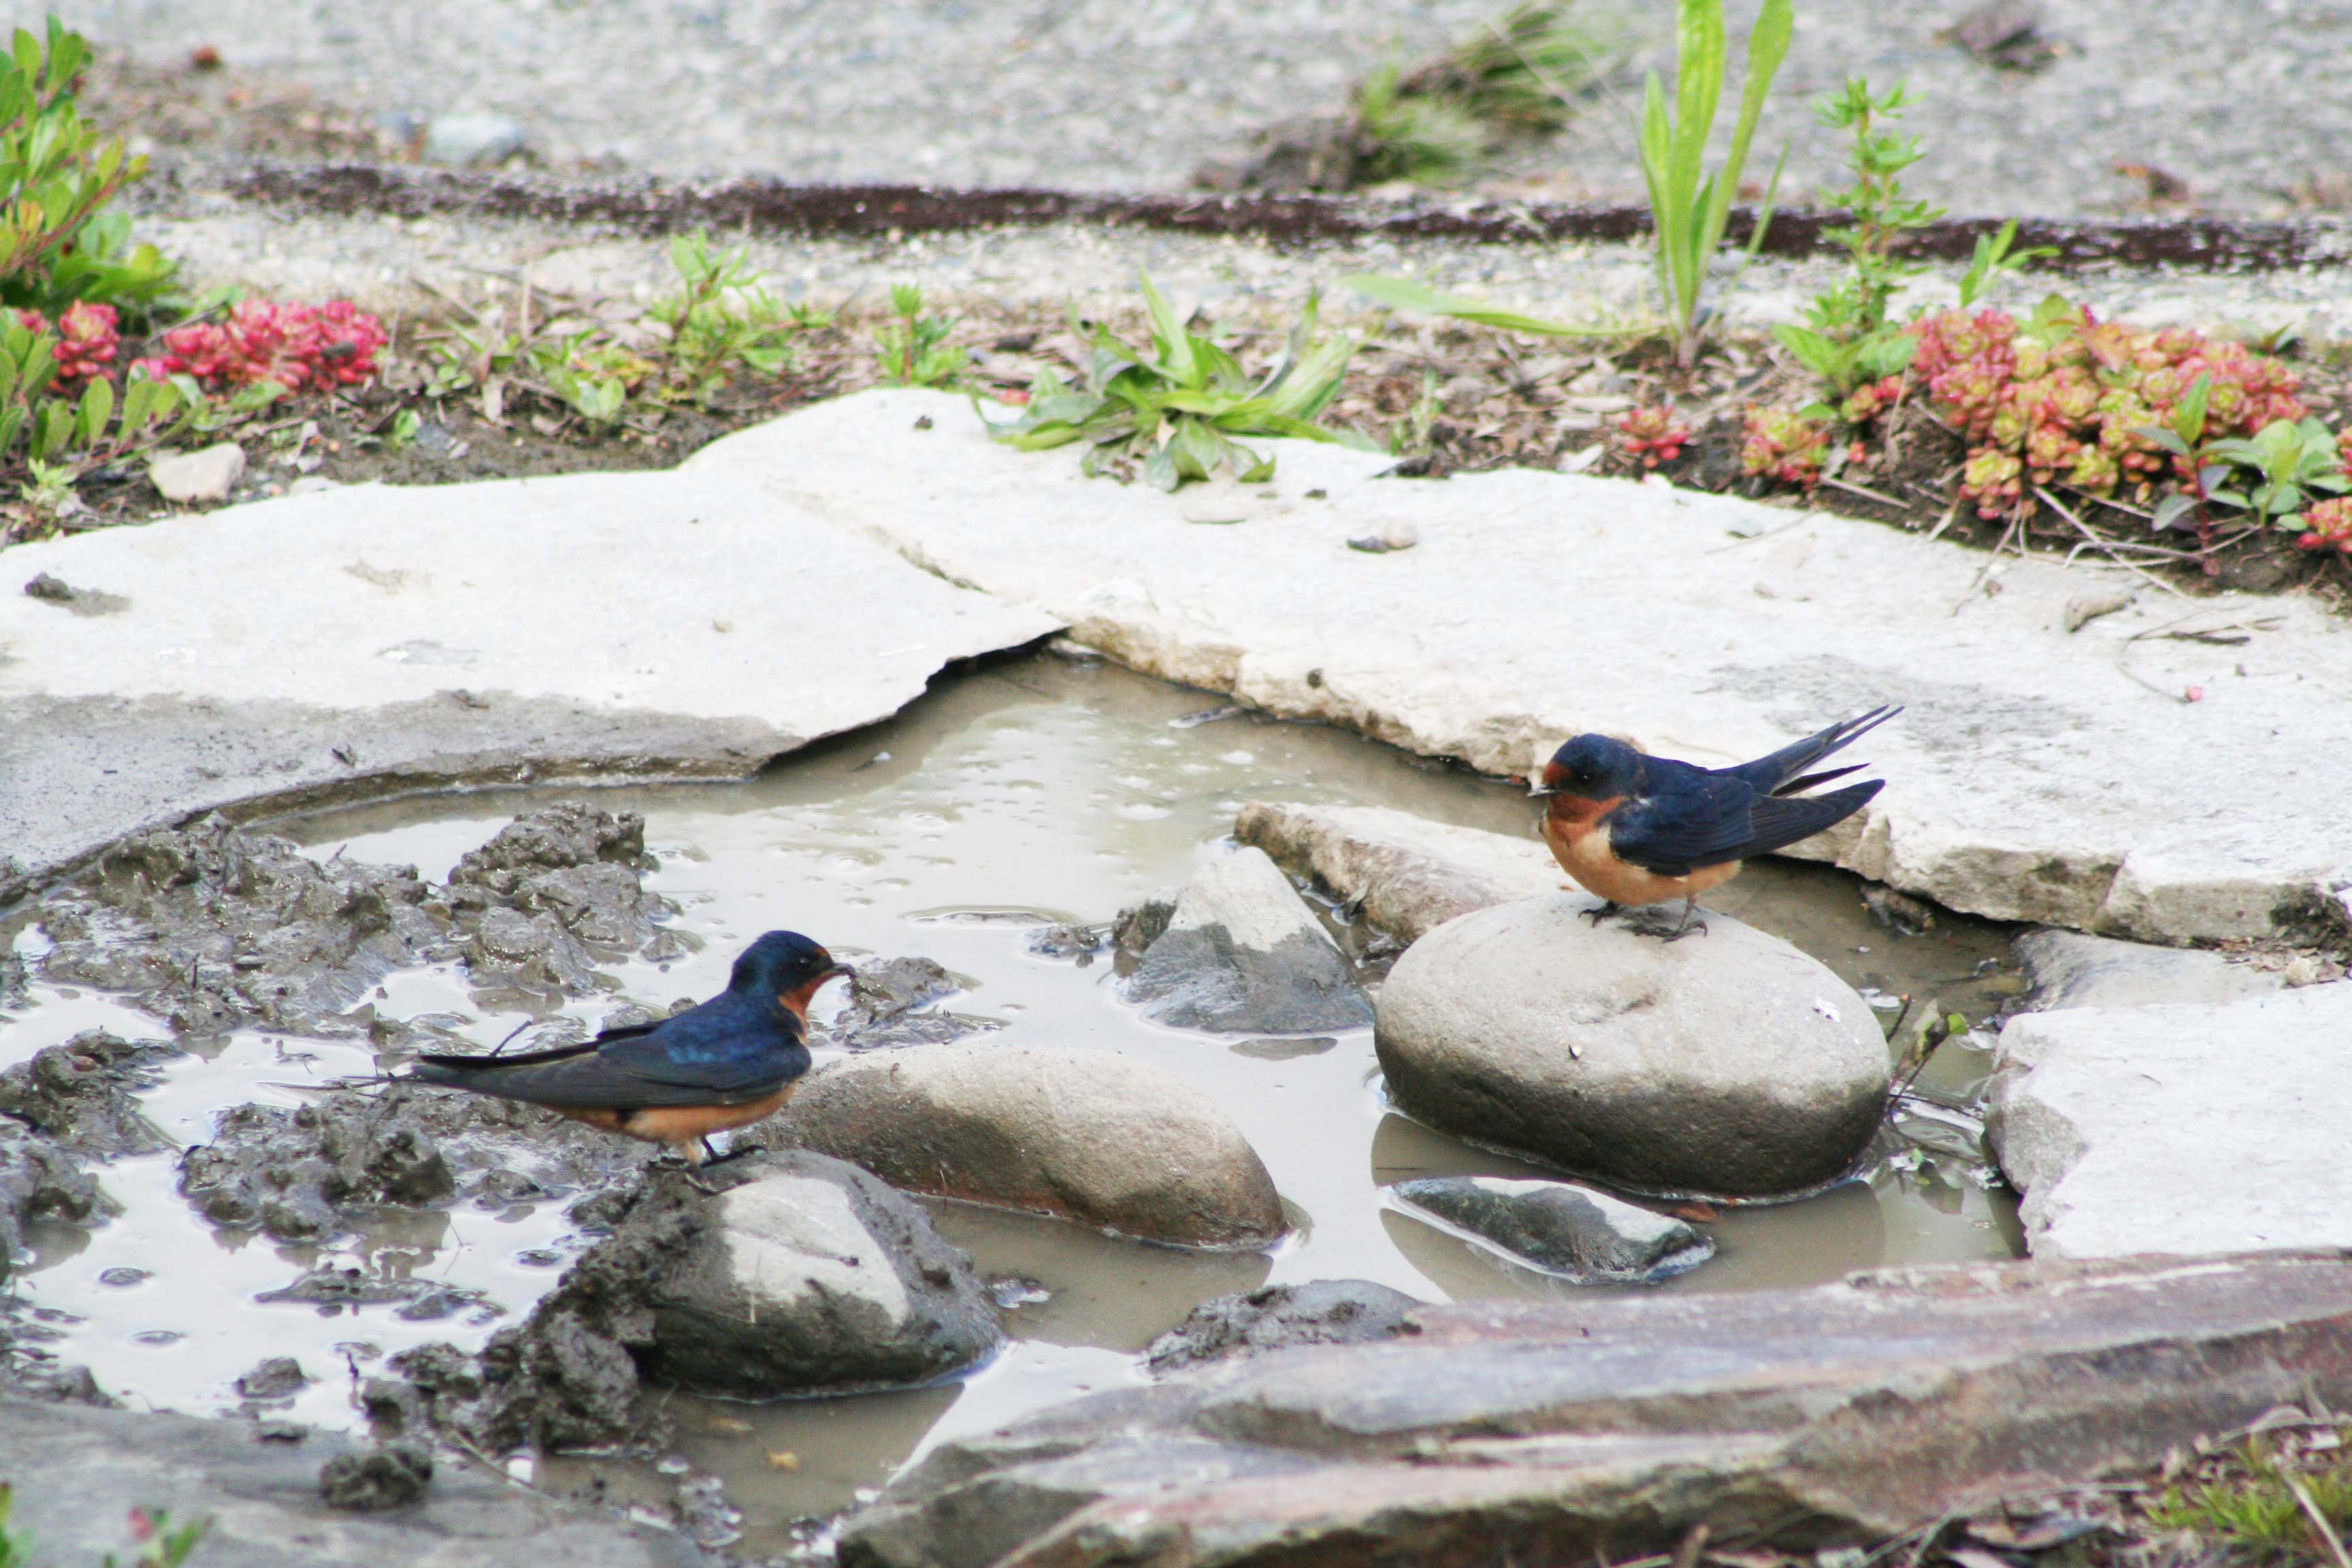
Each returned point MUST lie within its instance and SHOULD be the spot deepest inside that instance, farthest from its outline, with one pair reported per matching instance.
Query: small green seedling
(1175, 409)
(913, 347)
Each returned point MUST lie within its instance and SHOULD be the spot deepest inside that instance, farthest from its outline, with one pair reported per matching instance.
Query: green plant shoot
(1690, 207)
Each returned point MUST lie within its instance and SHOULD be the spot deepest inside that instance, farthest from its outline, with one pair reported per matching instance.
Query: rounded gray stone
(1104, 1140)
(1242, 952)
(1728, 1063)
(812, 1276)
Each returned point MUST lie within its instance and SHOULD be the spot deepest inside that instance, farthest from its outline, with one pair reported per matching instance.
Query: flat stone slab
(2036, 774)
(579, 627)
(1550, 1431)
(2181, 1129)
(2067, 969)
(1408, 873)
(79, 1472)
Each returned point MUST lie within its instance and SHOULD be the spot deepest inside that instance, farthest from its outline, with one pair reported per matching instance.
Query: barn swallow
(721, 1064)
(1638, 829)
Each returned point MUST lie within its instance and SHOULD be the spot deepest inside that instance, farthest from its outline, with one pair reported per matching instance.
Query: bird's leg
(1691, 923)
(1602, 910)
(734, 1152)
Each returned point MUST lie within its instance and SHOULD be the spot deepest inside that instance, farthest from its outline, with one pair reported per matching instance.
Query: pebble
(187, 478)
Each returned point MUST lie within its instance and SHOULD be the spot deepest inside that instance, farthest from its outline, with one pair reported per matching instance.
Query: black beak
(1538, 791)
(838, 972)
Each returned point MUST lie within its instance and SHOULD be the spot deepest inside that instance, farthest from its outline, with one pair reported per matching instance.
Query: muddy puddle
(1025, 794)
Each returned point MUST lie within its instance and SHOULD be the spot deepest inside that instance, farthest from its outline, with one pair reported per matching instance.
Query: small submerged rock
(1277, 1317)
(277, 1377)
(1562, 1229)
(890, 1005)
(85, 1093)
(1729, 1064)
(1243, 953)
(1104, 1140)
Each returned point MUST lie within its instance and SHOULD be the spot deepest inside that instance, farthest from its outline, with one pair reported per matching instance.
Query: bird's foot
(1602, 910)
(1691, 924)
(733, 1153)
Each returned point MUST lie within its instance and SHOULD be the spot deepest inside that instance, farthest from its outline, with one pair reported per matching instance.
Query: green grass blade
(1402, 294)
(1175, 342)
(1767, 46)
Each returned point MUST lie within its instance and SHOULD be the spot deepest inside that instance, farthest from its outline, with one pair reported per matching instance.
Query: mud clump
(40, 1181)
(84, 1094)
(369, 1480)
(213, 928)
(317, 1170)
(890, 1005)
(293, 1173)
(554, 891)
(1276, 1317)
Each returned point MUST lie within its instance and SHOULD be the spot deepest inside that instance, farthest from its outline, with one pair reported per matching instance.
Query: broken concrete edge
(729, 757)
(762, 204)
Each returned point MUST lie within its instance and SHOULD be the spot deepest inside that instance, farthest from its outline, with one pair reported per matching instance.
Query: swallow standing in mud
(1638, 829)
(722, 1064)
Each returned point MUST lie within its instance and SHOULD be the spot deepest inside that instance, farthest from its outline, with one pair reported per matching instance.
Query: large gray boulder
(1561, 1229)
(1729, 1064)
(1244, 953)
(813, 1275)
(1557, 1431)
(2182, 1129)
(2067, 969)
(1104, 1140)
(1409, 875)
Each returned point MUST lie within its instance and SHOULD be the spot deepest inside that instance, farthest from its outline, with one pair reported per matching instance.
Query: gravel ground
(2234, 99)
(417, 267)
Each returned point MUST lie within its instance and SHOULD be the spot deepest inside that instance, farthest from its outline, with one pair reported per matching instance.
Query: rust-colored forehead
(1554, 775)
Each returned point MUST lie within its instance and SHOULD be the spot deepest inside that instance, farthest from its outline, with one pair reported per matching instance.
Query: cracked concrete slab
(376, 639)
(2036, 774)
(2182, 1128)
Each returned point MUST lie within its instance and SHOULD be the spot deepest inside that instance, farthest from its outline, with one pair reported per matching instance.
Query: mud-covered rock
(1562, 1229)
(1068, 941)
(40, 1181)
(578, 866)
(212, 928)
(367, 1480)
(276, 1377)
(890, 1005)
(317, 1170)
(85, 1093)
(1243, 953)
(1276, 1317)
(295, 1173)
(811, 1274)
(785, 1289)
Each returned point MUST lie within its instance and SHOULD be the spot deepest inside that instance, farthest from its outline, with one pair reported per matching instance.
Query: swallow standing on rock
(1638, 829)
(721, 1064)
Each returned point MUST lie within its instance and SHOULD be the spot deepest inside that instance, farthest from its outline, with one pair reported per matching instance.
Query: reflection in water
(1035, 789)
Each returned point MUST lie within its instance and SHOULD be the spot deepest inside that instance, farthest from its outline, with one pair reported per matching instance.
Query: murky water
(1034, 790)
